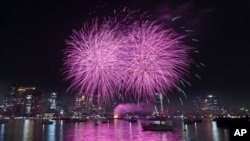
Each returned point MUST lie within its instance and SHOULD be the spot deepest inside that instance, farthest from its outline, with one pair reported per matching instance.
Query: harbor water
(116, 130)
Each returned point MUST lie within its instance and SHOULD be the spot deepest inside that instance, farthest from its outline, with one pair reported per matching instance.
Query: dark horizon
(33, 36)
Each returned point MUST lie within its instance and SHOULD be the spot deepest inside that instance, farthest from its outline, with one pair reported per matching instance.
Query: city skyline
(33, 37)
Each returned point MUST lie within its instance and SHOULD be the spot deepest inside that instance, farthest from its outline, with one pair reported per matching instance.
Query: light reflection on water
(1, 131)
(51, 132)
(118, 130)
(215, 133)
(27, 128)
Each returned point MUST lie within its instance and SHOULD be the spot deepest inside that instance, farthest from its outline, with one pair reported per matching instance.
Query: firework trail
(137, 56)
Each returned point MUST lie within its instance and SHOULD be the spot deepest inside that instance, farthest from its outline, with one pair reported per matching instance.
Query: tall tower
(211, 102)
(52, 101)
(10, 100)
(22, 101)
(159, 103)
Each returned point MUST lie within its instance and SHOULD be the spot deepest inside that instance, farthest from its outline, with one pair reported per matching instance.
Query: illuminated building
(206, 103)
(33, 102)
(159, 104)
(80, 101)
(80, 106)
(52, 101)
(211, 102)
(91, 107)
(22, 101)
(10, 100)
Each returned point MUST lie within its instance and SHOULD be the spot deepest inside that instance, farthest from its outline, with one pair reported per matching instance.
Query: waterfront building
(22, 101)
(211, 102)
(159, 104)
(207, 104)
(80, 101)
(80, 106)
(53, 101)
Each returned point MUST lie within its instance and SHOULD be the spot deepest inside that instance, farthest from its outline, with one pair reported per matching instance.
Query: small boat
(46, 122)
(158, 126)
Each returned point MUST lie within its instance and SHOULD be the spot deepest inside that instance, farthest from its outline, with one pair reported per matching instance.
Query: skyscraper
(22, 101)
(52, 101)
(208, 102)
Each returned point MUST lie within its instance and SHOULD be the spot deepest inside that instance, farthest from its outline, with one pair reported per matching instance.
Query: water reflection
(50, 131)
(117, 130)
(1, 131)
(61, 130)
(205, 131)
(226, 134)
(164, 137)
(215, 131)
(130, 132)
(196, 131)
(27, 130)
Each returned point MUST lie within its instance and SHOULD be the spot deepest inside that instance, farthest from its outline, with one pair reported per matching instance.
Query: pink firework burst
(156, 60)
(92, 60)
(138, 57)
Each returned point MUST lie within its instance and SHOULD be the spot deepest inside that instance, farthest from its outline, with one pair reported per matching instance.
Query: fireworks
(92, 60)
(157, 60)
(140, 58)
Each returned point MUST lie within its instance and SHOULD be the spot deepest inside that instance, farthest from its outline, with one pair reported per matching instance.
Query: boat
(158, 126)
(159, 122)
(46, 122)
(157, 118)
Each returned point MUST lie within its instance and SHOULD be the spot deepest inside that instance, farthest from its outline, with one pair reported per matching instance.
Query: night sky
(32, 37)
